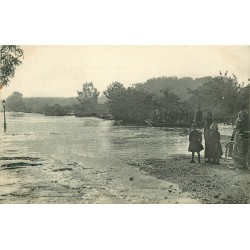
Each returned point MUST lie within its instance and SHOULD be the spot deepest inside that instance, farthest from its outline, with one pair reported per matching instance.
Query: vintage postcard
(124, 124)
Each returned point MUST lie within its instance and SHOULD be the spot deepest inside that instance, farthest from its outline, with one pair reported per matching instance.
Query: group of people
(177, 116)
(213, 149)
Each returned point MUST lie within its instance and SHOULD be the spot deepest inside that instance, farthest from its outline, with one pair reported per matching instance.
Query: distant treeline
(222, 95)
(16, 102)
(53, 106)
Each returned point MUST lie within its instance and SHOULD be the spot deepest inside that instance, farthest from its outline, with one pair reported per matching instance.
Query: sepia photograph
(125, 124)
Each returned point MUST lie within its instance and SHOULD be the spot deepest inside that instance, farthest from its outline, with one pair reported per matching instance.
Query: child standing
(195, 140)
(215, 147)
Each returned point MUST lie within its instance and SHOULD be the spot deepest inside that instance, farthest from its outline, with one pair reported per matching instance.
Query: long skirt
(208, 146)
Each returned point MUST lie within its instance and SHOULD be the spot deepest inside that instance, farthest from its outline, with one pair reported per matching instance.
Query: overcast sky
(61, 70)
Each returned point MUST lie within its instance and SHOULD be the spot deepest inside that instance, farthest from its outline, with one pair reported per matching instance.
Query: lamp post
(4, 123)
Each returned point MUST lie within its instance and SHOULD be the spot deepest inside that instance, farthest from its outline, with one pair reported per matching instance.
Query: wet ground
(88, 160)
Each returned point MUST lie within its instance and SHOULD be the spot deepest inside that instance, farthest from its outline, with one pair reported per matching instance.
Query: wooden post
(4, 122)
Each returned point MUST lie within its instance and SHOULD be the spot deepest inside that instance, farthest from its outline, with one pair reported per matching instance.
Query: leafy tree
(139, 105)
(9, 59)
(132, 105)
(88, 98)
(218, 94)
(244, 95)
(15, 102)
(167, 100)
(116, 95)
(114, 91)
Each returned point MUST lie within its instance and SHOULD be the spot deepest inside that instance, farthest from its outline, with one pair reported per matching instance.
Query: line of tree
(44, 105)
(222, 95)
(85, 104)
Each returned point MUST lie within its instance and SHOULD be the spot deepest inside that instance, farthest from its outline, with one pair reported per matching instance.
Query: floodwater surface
(92, 137)
(62, 159)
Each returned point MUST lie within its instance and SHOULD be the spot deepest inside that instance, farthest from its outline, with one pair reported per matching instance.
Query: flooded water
(87, 160)
(91, 137)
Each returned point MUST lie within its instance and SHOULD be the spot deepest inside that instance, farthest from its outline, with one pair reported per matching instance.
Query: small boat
(170, 125)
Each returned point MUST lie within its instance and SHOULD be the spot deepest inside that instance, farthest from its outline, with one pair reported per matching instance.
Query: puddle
(62, 169)
(19, 165)
(19, 158)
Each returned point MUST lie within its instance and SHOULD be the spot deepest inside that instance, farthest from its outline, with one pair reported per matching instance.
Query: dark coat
(207, 125)
(207, 132)
(195, 140)
(243, 125)
(214, 145)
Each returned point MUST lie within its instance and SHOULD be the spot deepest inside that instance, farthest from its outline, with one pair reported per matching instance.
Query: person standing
(208, 123)
(241, 123)
(244, 120)
(215, 146)
(244, 128)
(195, 143)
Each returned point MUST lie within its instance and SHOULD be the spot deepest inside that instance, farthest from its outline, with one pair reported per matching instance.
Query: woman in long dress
(208, 123)
(216, 149)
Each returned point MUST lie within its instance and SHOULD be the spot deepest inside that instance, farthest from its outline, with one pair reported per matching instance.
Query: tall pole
(5, 125)
(4, 121)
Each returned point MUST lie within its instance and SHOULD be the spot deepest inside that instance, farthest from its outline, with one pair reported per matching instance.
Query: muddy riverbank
(68, 180)
(208, 183)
